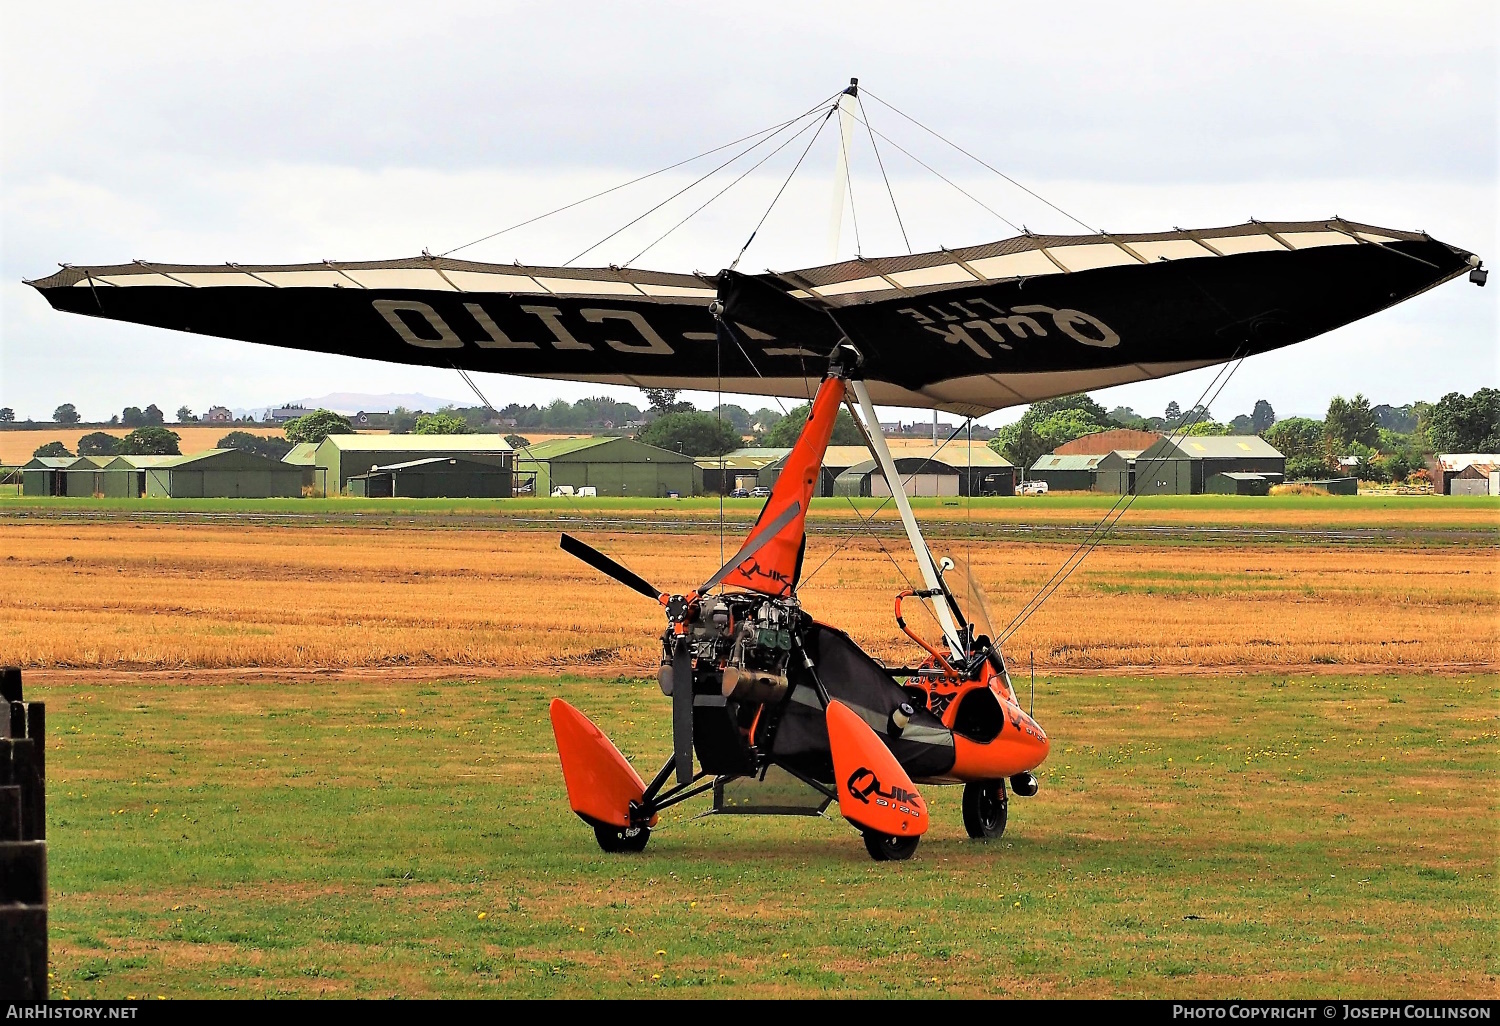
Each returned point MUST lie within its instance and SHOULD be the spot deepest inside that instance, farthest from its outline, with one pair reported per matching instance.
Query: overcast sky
(287, 132)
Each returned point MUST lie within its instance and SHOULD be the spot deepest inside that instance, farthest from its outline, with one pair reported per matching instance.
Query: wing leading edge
(967, 331)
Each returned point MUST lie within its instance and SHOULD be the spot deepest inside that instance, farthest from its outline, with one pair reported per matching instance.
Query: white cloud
(288, 132)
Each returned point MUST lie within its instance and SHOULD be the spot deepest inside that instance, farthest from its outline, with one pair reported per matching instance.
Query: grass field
(1240, 836)
(310, 756)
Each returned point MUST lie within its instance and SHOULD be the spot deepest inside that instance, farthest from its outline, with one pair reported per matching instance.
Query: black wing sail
(967, 331)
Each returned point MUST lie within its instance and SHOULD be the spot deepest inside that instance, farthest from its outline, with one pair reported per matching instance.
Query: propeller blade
(599, 561)
(753, 545)
(682, 711)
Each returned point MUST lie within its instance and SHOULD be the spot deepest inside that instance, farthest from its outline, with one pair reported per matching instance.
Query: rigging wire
(633, 181)
(881, 161)
(1013, 226)
(865, 524)
(784, 184)
(785, 143)
(1102, 529)
(691, 185)
(983, 163)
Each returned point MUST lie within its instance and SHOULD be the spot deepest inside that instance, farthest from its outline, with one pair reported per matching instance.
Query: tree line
(1387, 443)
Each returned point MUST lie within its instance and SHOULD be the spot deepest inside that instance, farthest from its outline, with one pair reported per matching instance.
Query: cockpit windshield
(966, 590)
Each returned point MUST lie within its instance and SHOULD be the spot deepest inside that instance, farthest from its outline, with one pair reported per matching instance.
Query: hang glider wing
(967, 331)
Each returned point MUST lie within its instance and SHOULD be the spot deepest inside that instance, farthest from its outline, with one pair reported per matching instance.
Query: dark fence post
(23, 845)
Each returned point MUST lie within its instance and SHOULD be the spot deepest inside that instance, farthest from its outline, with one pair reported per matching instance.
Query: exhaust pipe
(1024, 784)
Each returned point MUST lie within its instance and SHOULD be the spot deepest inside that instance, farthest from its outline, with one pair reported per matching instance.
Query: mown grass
(1231, 836)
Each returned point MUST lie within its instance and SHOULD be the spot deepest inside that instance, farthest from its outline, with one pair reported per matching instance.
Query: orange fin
(874, 791)
(601, 784)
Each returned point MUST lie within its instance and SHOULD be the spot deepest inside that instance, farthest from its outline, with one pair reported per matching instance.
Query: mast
(882, 454)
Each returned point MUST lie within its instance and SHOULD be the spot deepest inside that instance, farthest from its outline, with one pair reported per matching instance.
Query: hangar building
(613, 466)
(437, 477)
(223, 474)
(343, 456)
(1184, 466)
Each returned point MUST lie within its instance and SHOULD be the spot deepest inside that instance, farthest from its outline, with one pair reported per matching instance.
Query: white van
(1032, 488)
(562, 490)
(588, 492)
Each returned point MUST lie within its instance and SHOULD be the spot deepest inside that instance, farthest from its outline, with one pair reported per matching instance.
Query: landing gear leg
(985, 807)
(888, 848)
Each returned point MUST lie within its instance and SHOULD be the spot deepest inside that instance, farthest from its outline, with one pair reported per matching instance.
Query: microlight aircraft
(773, 710)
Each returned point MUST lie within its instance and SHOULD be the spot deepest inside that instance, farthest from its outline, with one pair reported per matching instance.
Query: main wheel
(985, 807)
(889, 848)
(617, 839)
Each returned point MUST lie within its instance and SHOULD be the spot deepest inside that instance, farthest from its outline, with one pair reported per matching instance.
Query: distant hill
(354, 402)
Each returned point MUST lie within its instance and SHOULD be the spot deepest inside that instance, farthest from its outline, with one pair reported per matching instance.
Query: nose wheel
(889, 848)
(985, 807)
(617, 839)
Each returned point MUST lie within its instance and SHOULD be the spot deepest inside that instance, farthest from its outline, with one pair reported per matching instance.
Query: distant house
(1475, 479)
(282, 414)
(1115, 473)
(218, 415)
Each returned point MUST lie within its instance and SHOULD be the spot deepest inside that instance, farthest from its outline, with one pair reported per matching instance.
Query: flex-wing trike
(786, 713)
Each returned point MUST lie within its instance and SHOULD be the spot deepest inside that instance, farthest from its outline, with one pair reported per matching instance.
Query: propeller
(679, 611)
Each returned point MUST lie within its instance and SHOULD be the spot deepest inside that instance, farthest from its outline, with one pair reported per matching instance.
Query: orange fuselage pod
(874, 791)
(1021, 745)
(774, 570)
(601, 784)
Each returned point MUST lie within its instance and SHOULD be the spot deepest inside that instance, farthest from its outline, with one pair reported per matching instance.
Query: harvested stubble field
(315, 760)
(215, 596)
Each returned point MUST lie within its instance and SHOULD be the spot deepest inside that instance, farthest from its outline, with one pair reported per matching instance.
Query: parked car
(1032, 488)
(739, 493)
(759, 493)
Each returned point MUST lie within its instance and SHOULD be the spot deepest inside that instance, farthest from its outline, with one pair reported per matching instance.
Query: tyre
(888, 848)
(617, 839)
(985, 807)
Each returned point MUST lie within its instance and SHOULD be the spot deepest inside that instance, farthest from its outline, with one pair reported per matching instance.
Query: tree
(7, 415)
(99, 443)
(1297, 436)
(66, 414)
(185, 415)
(261, 445)
(1173, 412)
(1206, 426)
(693, 434)
(153, 415)
(1078, 401)
(442, 424)
(1306, 468)
(52, 449)
(1459, 423)
(1262, 417)
(1125, 417)
(784, 434)
(764, 420)
(132, 417)
(316, 426)
(1349, 421)
(1021, 444)
(736, 417)
(1242, 425)
(150, 440)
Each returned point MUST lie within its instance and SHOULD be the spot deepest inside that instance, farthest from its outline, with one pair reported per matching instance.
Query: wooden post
(23, 846)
